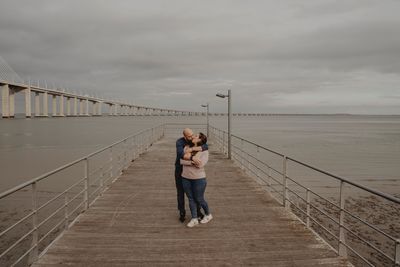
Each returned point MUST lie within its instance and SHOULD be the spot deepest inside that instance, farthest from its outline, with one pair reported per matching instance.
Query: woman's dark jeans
(194, 189)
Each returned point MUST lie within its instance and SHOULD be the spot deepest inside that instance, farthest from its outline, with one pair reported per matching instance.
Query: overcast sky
(288, 56)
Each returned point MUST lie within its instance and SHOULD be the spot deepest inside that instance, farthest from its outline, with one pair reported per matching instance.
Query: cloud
(180, 53)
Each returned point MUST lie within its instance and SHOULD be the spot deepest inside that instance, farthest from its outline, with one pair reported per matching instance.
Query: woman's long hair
(203, 140)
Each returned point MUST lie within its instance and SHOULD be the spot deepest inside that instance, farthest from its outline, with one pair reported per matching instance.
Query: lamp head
(221, 95)
(204, 106)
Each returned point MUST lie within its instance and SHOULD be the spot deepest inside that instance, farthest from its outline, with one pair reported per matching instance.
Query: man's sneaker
(192, 223)
(207, 218)
(182, 218)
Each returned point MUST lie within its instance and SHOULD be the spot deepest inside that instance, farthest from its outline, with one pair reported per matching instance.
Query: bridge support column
(75, 106)
(5, 101)
(28, 104)
(54, 105)
(94, 109)
(99, 108)
(37, 104)
(12, 103)
(116, 106)
(87, 107)
(45, 104)
(69, 106)
(62, 105)
(7, 97)
(81, 107)
(110, 111)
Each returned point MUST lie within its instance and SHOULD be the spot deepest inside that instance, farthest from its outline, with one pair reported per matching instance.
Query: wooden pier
(135, 223)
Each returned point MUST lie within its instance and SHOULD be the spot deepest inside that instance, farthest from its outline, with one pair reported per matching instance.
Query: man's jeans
(194, 189)
(179, 190)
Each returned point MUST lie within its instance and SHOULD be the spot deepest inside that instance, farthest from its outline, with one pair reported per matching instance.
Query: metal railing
(49, 214)
(50, 211)
(336, 214)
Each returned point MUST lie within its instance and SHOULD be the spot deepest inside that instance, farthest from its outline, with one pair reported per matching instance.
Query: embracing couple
(190, 177)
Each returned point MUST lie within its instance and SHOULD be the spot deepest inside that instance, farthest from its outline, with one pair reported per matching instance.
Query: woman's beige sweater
(190, 171)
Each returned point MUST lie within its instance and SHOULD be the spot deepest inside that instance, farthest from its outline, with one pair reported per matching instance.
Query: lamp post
(208, 110)
(229, 96)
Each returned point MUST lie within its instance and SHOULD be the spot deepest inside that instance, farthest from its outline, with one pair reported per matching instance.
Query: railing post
(241, 154)
(397, 253)
(308, 208)
(66, 212)
(342, 240)
(33, 256)
(258, 169)
(223, 143)
(146, 140)
(143, 142)
(284, 181)
(248, 162)
(86, 194)
(140, 143)
(133, 149)
(269, 176)
(219, 138)
(125, 156)
(101, 180)
(111, 163)
(148, 137)
(118, 164)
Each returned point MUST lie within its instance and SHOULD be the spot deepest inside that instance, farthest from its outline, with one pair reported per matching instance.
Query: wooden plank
(135, 223)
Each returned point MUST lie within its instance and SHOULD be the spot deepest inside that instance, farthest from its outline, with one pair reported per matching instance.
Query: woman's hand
(188, 149)
(187, 156)
(196, 162)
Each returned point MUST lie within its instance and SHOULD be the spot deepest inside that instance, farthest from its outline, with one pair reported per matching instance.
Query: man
(180, 145)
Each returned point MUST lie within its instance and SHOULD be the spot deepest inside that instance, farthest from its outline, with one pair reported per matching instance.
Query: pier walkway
(135, 223)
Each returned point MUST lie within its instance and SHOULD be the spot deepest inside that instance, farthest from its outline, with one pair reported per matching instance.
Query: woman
(194, 179)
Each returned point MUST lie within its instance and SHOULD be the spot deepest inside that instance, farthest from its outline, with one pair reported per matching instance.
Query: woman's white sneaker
(206, 218)
(192, 223)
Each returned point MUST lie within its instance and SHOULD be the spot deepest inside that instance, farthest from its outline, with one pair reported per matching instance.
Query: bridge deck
(135, 222)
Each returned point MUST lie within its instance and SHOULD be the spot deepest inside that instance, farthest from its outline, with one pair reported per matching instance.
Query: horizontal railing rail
(45, 221)
(330, 217)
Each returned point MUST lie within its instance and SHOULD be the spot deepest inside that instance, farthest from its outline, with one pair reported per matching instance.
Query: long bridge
(120, 210)
(67, 104)
(70, 104)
